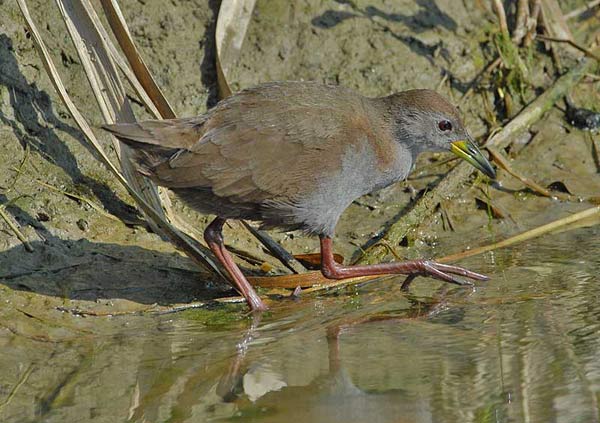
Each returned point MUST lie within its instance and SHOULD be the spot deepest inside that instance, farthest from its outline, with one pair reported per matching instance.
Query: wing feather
(269, 143)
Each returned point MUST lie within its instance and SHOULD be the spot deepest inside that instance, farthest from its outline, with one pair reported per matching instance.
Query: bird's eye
(445, 125)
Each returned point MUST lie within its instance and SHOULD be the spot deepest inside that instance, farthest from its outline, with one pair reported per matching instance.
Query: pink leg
(444, 272)
(214, 238)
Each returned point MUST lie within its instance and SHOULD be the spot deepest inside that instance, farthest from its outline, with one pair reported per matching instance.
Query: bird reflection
(261, 393)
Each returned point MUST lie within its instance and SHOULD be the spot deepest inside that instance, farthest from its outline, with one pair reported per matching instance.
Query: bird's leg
(444, 272)
(213, 236)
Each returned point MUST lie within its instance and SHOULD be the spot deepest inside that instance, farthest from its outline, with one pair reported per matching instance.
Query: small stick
(499, 9)
(583, 9)
(446, 216)
(277, 250)
(19, 170)
(504, 164)
(522, 20)
(87, 201)
(442, 81)
(15, 230)
(572, 43)
(595, 151)
(489, 68)
(524, 236)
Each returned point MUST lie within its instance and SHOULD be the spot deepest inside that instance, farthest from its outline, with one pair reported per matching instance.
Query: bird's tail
(156, 141)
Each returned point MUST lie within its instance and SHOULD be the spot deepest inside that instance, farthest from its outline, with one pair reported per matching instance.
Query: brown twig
(572, 43)
(524, 236)
(595, 151)
(534, 186)
(555, 25)
(489, 68)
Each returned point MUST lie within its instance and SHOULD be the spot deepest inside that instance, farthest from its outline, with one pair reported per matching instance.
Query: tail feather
(156, 141)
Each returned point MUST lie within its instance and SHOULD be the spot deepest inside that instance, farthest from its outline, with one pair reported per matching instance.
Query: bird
(294, 155)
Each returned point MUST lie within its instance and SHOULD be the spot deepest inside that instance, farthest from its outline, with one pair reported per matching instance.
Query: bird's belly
(359, 174)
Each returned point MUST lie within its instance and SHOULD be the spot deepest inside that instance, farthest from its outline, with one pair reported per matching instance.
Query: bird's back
(269, 153)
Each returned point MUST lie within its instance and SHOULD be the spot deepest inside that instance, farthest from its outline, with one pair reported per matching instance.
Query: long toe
(457, 270)
(430, 270)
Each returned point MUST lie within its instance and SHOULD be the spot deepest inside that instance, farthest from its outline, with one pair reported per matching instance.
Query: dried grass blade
(556, 25)
(232, 24)
(195, 252)
(7, 219)
(108, 90)
(119, 27)
(124, 68)
(501, 161)
(159, 195)
(533, 233)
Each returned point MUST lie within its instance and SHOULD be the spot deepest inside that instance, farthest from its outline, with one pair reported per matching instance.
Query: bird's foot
(445, 272)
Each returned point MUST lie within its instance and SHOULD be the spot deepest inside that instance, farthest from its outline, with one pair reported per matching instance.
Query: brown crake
(294, 155)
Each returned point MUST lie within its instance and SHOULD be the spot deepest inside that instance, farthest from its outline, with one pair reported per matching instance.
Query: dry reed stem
(195, 253)
(522, 20)
(320, 283)
(143, 75)
(501, 14)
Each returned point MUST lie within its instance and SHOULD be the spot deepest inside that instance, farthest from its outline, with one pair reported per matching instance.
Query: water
(524, 347)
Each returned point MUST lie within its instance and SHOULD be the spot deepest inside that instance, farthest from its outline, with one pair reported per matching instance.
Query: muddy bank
(89, 244)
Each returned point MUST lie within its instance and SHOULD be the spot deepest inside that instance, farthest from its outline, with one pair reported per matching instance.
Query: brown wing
(272, 142)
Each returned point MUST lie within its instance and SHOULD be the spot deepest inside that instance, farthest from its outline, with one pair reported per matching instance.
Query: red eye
(445, 125)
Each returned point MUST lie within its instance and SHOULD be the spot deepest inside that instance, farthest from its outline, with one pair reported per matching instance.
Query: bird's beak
(467, 150)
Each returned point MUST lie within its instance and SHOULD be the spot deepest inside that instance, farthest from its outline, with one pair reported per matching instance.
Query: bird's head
(425, 121)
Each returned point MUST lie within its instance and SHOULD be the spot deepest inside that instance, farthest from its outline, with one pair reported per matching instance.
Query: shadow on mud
(35, 123)
(84, 270)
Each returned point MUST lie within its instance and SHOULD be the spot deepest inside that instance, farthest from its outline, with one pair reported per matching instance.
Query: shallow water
(524, 347)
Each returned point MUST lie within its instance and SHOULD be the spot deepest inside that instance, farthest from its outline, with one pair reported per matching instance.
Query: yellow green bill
(467, 150)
